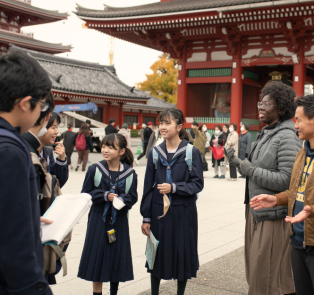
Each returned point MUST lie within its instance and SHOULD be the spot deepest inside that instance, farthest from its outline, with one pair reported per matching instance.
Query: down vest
(273, 158)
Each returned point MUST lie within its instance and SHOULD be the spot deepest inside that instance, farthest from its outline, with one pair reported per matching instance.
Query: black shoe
(77, 168)
(216, 176)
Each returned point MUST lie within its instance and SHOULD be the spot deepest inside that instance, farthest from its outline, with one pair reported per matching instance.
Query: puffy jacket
(232, 141)
(127, 136)
(273, 158)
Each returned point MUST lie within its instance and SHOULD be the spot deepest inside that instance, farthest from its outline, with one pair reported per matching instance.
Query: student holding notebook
(112, 183)
(170, 180)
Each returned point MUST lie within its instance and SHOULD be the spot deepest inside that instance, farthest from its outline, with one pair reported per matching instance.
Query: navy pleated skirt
(177, 234)
(102, 261)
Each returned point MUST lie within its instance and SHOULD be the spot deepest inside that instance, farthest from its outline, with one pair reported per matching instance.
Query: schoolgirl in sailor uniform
(177, 231)
(101, 260)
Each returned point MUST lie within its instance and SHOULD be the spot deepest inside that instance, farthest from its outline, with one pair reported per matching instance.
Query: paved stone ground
(221, 231)
(222, 276)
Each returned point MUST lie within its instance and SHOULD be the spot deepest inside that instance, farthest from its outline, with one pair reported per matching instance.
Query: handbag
(205, 166)
(218, 152)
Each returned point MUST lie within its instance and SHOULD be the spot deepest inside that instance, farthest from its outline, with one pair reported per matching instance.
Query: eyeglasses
(44, 107)
(264, 105)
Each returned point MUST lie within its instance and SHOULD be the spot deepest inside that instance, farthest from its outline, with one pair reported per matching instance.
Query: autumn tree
(162, 83)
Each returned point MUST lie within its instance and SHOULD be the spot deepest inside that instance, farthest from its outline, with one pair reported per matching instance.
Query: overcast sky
(131, 61)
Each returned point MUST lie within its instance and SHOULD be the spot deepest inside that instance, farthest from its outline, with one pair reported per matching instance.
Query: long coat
(232, 141)
(244, 145)
(200, 141)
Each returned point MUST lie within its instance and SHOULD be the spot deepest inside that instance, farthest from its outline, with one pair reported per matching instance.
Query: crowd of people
(277, 167)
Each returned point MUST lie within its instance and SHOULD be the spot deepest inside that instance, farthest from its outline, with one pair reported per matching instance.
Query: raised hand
(263, 201)
(60, 151)
(301, 216)
(232, 159)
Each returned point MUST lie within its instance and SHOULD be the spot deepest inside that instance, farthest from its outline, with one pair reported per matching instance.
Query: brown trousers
(83, 156)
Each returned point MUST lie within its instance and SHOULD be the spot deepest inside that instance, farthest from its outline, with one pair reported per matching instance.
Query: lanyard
(109, 177)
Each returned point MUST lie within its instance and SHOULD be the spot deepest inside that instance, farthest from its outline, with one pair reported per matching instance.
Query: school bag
(188, 158)
(80, 142)
(50, 190)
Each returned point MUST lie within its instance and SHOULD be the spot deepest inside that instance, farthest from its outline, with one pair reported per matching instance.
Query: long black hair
(177, 116)
(118, 140)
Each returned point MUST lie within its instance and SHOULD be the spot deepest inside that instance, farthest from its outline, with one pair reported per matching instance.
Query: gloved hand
(247, 168)
(232, 159)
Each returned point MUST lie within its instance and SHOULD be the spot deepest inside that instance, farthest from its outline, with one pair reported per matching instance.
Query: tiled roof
(152, 103)
(30, 43)
(159, 8)
(22, 6)
(84, 77)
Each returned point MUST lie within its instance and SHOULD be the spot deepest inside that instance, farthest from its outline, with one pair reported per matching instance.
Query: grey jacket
(244, 145)
(273, 158)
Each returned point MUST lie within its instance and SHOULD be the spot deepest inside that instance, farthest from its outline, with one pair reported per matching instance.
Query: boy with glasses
(24, 85)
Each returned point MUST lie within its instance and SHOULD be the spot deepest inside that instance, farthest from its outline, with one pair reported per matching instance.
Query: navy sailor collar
(162, 150)
(124, 174)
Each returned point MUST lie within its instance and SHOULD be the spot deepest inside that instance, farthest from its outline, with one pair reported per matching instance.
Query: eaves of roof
(21, 6)
(167, 7)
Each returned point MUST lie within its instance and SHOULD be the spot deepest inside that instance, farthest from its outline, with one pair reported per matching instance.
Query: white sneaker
(137, 162)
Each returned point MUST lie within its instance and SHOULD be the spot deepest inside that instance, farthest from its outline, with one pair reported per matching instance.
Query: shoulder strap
(189, 156)
(128, 183)
(155, 157)
(97, 177)
(6, 133)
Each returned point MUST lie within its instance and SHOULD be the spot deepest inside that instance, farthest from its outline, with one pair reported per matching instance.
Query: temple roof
(32, 10)
(88, 78)
(21, 40)
(153, 104)
(159, 8)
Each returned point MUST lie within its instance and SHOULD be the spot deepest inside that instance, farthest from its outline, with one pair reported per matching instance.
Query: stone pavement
(221, 231)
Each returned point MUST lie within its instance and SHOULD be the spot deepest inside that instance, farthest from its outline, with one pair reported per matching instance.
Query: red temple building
(227, 50)
(16, 14)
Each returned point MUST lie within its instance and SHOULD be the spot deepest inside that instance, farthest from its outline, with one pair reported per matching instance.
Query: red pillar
(121, 119)
(182, 86)
(236, 89)
(108, 112)
(299, 72)
(140, 120)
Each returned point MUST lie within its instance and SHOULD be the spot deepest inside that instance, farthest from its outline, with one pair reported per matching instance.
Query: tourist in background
(193, 126)
(142, 135)
(88, 123)
(68, 142)
(232, 142)
(110, 128)
(154, 137)
(268, 171)
(83, 150)
(200, 142)
(219, 139)
(245, 140)
(147, 133)
(124, 131)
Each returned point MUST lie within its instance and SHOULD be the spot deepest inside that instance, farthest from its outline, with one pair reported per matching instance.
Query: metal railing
(211, 120)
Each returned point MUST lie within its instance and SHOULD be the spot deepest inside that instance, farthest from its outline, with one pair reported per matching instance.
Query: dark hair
(20, 76)
(246, 126)
(70, 125)
(84, 130)
(219, 127)
(49, 100)
(235, 126)
(201, 127)
(117, 139)
(226, 125)
(307, 102)
(195, 124)
(53, 118)
(111, 120)
(284, 97)
(177, 116)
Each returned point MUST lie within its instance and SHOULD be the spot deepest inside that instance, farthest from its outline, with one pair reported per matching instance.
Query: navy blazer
(21, 258)
(98, 194)
(187, 184)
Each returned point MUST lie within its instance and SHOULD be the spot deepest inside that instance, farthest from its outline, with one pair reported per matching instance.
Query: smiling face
(51, 135)
(268, 112)
(169, 128)
(304, 125)
(110, 152)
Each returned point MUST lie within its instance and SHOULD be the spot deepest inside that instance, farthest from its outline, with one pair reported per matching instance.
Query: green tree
(163, 82)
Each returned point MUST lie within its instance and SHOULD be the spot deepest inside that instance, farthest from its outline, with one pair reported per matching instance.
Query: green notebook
(151, 250)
